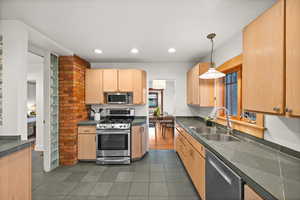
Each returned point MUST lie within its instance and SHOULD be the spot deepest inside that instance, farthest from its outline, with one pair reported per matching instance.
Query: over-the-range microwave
(119, 97)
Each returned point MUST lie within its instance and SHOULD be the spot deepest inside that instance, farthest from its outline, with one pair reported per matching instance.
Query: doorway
(161, 109)
(35, 107)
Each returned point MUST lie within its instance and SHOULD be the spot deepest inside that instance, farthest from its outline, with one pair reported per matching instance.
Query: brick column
(72, 108)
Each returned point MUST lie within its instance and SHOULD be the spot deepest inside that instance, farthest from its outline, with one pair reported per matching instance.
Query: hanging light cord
(211, 53)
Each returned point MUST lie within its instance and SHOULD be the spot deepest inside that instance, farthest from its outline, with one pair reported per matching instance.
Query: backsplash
(140, 110)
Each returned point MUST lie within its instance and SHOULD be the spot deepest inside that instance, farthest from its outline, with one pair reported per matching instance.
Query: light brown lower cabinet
(249, 194)
(16, 175)
(86, 143)
(139, 142)
(193, 160)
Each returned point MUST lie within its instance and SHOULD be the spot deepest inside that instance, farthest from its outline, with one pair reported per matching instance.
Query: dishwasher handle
(220, 171)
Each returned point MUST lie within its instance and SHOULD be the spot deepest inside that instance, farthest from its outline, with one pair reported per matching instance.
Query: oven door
(113, 143)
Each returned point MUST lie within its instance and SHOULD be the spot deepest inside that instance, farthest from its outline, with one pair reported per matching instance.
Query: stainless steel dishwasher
(221, 182)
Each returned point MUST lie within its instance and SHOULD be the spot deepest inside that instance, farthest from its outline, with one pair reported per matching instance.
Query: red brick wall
(71, 105)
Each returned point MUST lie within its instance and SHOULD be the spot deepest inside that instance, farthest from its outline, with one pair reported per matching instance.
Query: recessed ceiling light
(98, 51)
(171, 50)
(134, 50)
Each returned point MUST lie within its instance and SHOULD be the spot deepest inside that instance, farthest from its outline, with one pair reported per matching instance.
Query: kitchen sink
(221, 138)
(207, 130)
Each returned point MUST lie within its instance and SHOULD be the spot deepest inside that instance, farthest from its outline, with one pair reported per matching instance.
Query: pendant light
(212, 73)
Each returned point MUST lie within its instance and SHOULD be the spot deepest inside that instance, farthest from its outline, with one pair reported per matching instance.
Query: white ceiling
(152, 26)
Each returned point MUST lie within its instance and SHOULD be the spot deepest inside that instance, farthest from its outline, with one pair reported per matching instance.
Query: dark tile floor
(159, 176)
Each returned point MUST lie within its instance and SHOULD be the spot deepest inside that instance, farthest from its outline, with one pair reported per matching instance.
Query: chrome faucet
(214, 114)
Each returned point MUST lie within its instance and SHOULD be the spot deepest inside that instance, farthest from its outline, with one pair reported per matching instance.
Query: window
(229, 95)
(231, 88)
(233, 94)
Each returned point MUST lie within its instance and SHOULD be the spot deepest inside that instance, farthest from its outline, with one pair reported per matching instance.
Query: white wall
(280, 130)
(15, 47)
(31, 94)
(160, 71)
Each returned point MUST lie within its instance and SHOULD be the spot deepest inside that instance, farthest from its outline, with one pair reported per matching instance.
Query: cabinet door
(93, 86)
(110, 80)
(188, 87)
(263, 62)
(206, 88)
(249, 194)
(198, 172)
(136, 142)
(139, 87)
(195, 86)
(16, 175)
(292, 57)
(125, 77)
(87, 146)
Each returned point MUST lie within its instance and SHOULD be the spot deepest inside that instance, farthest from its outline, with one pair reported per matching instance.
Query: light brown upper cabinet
(206, 89)
(200, 92)
(125, 80)
(99, 81)
(292, 57)
(110, 80)
(263, 62)
(139, 86)
(93, 86)
(271, 61)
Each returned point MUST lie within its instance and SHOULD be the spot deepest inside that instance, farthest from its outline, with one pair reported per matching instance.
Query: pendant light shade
(212, 72)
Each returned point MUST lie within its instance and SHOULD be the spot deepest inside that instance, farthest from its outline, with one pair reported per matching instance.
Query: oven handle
(112, 132)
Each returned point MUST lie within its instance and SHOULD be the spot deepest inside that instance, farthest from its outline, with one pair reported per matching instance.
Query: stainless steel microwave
(119, 98)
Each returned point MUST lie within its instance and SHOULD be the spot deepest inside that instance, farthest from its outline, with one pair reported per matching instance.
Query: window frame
(239, 123)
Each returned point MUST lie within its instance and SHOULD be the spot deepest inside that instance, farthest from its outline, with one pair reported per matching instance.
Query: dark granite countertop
(11, 144)
(271, 173)
(138, 120)
(87, 123)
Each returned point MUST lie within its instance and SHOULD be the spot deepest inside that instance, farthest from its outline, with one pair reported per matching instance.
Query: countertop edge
(246, 179)
(16, 147)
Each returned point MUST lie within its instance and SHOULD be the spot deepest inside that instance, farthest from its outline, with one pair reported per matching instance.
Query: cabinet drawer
(199, 147)
(87, 129)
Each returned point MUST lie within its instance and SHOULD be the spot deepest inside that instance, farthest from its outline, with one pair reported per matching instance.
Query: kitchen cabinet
(139, 142)
(16, 175)
(99, 81)
(87, 143)
(93, 86)
(292, 57)
(110, 80)
(200, 92)
(189, 87)
(206, 87)
(125, 80)
(264, 63)
(192, 154)
(249, 194)
(139, 87)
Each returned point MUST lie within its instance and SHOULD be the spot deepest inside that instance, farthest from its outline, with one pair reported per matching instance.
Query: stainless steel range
(114, 136)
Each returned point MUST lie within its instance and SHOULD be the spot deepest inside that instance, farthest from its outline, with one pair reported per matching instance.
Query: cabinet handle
(288, 110)
(276, 109)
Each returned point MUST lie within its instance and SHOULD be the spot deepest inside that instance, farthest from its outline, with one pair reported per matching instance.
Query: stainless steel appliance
(114, 136)
(119, 98)
(221, 181)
